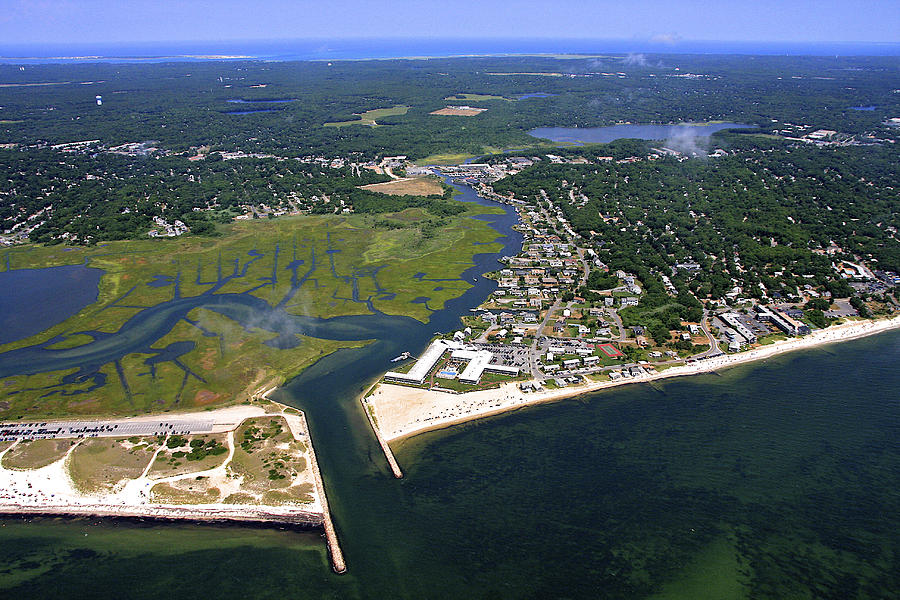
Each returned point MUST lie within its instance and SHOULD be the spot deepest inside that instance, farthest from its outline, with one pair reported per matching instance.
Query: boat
(403, 356)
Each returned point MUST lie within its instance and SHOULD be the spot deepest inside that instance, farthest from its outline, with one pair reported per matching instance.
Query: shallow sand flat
(401, 411)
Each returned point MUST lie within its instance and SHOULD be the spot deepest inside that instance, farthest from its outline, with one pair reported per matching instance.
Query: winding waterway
(772, 480)
(141, 332)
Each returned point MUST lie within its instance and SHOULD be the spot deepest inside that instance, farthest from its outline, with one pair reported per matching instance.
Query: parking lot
(511, 356)
(86, 429)
(843, 308)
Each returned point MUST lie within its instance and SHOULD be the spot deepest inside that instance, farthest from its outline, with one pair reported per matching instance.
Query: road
(533, 355)
(713, 342)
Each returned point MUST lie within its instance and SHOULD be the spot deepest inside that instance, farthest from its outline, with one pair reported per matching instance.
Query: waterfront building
(479, 362)
(784, 322)
(732, 320)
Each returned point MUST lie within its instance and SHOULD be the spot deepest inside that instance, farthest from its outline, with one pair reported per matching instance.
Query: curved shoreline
(402, 412)
(66, 503)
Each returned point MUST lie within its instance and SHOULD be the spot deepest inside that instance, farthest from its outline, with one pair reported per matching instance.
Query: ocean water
(778, 479)
(353, 49)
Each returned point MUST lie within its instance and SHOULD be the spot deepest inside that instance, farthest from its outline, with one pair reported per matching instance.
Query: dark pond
(242, 101)
(32, 300)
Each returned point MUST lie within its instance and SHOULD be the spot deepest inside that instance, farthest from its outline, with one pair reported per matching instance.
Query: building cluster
(475, 172)
(740, 330)
(478, 361)
(137, 149)
(737, 333)
(806, 134)
(631, 372)
(781, 320)
(546, 267)
(165, 229)
(551, 361)
(20, 230)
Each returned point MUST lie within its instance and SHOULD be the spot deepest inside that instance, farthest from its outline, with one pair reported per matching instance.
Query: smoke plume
(635, 60)
(684, 139)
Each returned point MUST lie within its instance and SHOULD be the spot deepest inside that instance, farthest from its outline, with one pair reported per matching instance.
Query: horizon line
(317, 38)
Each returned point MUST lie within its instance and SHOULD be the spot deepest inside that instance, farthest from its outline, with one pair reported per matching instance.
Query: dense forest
(184, 105)
(745, 217)
(280, 109)
(88, 198)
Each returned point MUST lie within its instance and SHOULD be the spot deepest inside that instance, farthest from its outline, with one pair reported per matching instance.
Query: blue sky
(667, 22)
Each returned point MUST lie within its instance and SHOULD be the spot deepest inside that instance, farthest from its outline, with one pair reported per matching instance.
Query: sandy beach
(51, 490)
(399, 411)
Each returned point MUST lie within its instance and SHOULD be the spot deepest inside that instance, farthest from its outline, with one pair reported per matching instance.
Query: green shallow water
(773, 480)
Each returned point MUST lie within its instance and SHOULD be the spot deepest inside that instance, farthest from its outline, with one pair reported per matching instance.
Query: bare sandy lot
(410, 186)
(459, 112)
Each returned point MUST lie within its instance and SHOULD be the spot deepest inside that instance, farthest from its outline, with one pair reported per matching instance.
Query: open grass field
(99, 465)
(413, 186)
(445, 159)
(370, 116)
(345, 261)
(36, 454)
(455, 159)
(764, 136)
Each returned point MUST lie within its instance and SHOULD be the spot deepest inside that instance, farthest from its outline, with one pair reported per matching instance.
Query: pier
(388, 454)
(331, 539)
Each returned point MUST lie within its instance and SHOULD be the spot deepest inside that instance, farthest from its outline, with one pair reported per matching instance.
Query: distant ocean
(356, 49)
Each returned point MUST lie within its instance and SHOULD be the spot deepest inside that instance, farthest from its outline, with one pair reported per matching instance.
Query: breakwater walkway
(385, 447)
(334, 548)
